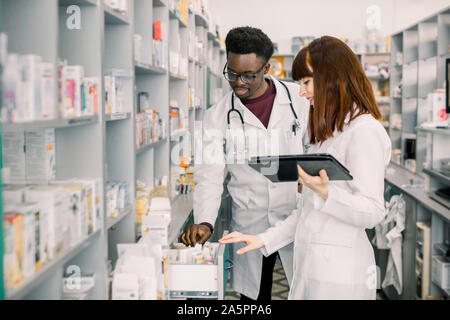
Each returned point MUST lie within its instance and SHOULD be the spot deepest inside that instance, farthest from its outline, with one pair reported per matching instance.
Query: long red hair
(341, 87)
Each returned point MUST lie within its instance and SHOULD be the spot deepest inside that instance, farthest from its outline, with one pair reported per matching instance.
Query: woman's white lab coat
(333, 258)
(258, 203)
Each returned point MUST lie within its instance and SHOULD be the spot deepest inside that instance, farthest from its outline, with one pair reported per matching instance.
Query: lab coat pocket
(330, 263)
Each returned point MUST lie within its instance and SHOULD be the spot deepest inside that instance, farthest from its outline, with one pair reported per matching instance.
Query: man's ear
(266, 68)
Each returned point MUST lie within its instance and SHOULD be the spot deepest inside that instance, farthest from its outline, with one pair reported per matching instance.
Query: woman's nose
(302, 91)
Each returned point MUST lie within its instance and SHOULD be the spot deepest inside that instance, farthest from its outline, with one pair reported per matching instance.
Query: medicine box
(14, 193)
(96, 213)
(72, 77)
(13, 225)
(161, 206)
(157, 228)
(89, 103)
(78, 213)
(29, 212)
(30, 94)
(53, 208)
(440, 272)
(47, 87)
(200, 280)
(40, 155)
(13, 147)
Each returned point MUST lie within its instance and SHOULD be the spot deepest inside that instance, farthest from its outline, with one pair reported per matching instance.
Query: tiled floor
(280, 288)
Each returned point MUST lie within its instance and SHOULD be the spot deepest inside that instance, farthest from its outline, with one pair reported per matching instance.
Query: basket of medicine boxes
(198, 272)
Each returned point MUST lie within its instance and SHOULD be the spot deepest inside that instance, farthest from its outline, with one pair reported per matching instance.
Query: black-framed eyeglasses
(245, 77)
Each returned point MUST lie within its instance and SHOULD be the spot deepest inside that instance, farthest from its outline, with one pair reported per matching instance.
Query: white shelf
(118, 116)
(150, 146)
(436, 174)
(44, 124)
(174, 76)
(382, 100)
(141, 68)
(160, 3)
(48, 269)
(112, 221)
(400, 178)
(173, 15)
(435, 130)
(201, 21)
(77, 2)
(114, 17)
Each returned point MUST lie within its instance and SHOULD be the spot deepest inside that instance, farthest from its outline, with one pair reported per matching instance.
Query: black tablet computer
(284, 168)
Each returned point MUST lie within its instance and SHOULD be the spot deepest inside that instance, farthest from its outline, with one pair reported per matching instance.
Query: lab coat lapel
(281, 110)
(249, 118)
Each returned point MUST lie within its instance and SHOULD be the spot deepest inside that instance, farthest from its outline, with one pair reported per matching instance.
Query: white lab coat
(258, 204)
(333, 258)
(388, 235)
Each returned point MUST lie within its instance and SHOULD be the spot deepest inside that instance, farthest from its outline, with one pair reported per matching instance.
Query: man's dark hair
(244, 40)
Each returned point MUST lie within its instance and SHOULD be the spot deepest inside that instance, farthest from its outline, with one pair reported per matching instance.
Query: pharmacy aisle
(99, 104)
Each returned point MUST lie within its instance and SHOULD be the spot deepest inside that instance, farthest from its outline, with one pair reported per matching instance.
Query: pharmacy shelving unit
(380, 83)
(104, 146)
(79, 141)
(418, 55)
(119, 127)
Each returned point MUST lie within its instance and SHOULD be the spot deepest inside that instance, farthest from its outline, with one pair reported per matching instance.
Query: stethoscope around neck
(295, 126)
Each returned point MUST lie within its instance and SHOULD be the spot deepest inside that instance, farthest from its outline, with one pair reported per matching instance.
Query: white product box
(89, 103)
(436, 105)
(161, 206)
(138, 48)
(72, 77)
(125, 286)
(79, 213)
(53, 209)
(440, 272)
(29, 212)
(96, 214)
(40, 155)
(110, 95)
(47, 87)
(157, 228)
(14, 193)
(30, 93)
(174, 59)
(13, 145)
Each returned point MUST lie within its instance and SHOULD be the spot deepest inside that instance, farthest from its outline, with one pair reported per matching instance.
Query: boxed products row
(194, 100)
(178, 64)
(180, 7)
(117, 198)
(141, 271)
(149, 128)
(158, 47)
(29, 90)
(29, 157)
(41, 223)
(179, 117)
(199, 254)
(144, 194)
(115, 81)
(196, 48)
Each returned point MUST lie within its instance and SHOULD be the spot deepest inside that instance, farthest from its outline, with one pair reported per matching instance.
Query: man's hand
(194, 233)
